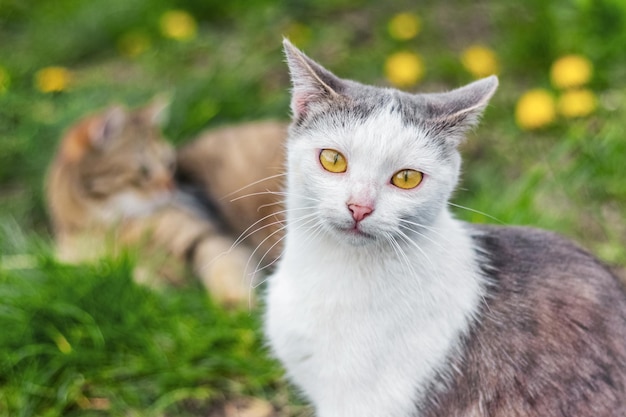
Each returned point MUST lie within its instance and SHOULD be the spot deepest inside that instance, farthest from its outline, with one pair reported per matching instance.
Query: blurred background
(86, 341)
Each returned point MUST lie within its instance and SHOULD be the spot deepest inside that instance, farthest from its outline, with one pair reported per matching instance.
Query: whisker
(244, 235)
(414, 244)
(269, 192)
(476, 211)
(405, 260)
(398, 250)
(252, 285)
(314, 231)
(257, 270)
(254, 183)
(434, 242)
(241, 238)
(430, 228)
(272, 234)
(261, 282)
(274, 245)
(266, 192)
(439, 245)
(269, 204)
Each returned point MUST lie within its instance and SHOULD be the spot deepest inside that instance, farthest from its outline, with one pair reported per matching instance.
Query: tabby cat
(384, 305)
(111, 186)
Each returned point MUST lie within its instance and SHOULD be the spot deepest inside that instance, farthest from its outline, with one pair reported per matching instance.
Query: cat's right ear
(312, 83)
(107, 127)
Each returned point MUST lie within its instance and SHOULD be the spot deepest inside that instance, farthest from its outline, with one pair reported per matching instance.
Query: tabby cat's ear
(312, 83)
(456, 111)
(107, 127)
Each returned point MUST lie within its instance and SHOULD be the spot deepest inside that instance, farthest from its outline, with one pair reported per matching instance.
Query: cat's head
(119, 163)
(374, 162)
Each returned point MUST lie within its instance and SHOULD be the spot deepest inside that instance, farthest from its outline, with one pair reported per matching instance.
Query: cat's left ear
(312, 84)
(104, 129)
(456, 111)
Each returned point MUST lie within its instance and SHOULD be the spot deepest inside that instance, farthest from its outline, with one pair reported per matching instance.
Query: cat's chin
(354, 236)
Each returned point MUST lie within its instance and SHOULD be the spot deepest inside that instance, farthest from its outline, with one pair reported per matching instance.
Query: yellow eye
(333, 161)
(407, 179)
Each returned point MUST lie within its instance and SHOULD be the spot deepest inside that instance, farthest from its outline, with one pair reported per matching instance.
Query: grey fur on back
(550, 339)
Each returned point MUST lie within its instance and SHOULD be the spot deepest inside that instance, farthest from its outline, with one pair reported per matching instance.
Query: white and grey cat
(384, 305)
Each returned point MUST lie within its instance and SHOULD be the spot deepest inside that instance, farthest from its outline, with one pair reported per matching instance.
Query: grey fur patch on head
(318, 93)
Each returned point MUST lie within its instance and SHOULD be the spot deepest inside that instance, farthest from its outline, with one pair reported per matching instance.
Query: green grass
(71, 335)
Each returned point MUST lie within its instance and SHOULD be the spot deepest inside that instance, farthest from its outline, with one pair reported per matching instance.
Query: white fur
(363, 321)
(130, 204)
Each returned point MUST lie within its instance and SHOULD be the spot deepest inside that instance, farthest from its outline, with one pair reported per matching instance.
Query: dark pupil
(335, 159)
(406, 176)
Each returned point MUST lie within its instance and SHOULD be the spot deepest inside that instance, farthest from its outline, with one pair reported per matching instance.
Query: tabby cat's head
(372, 163)
(114, 164)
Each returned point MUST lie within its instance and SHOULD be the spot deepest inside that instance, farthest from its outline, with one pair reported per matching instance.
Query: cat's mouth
(355, 231)
(350, 232)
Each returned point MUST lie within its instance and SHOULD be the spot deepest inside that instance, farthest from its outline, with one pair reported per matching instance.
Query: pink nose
(359, 212)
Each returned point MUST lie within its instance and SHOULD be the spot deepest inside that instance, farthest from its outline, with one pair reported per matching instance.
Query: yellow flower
(577, 103)
(52, 79)
(480, 61)
(5, 80)
(535, 109)
(178, 25)
(133, 44)
(404, 26)
(571, 71)
(404, 69)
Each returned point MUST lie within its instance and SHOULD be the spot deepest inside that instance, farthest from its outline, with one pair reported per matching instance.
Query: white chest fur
(362, 331)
